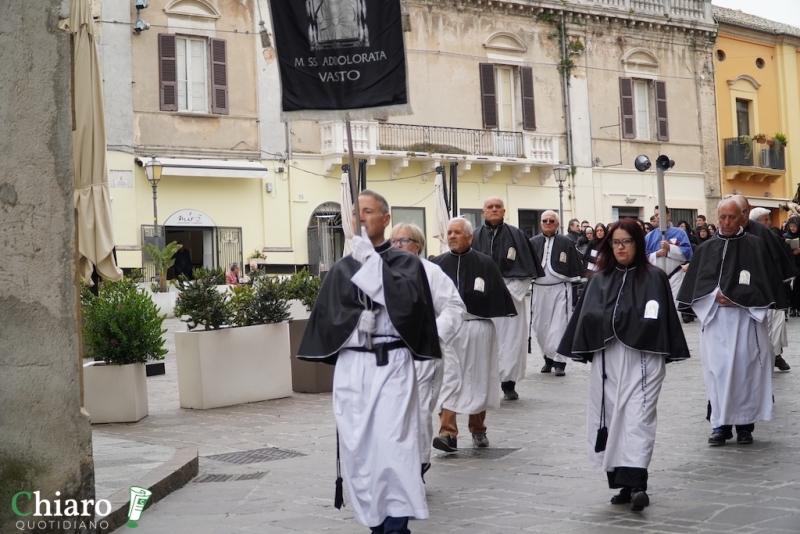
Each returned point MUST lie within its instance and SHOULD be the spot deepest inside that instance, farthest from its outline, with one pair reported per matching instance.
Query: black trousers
(627, 477)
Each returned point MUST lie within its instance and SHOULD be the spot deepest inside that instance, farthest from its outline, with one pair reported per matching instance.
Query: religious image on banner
(340, 56)
(337, 24)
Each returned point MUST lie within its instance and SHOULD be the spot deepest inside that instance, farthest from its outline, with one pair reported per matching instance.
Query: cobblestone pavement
(543, 486)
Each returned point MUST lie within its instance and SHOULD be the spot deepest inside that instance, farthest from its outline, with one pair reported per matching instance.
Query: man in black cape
(373, 315)
(551, 295)
(470, 383)
(513, 254)
(731, 289)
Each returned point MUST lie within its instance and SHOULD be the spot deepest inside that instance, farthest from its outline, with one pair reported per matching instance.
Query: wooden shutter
(662, 127)
(219, 77)
(168, 72)
(628, 112)
(528, 110)
(488, 96)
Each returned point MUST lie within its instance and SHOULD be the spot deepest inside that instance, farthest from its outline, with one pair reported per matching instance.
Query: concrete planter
(233, 365)
(165, 302)
(298, 310)
(115, 393)
(308, 377)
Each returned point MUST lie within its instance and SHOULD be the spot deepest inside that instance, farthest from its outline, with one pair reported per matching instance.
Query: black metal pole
(362, 173)
(454, 187)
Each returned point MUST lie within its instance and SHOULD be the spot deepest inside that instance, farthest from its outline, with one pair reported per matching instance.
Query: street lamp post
(153, 170)
(560, 172)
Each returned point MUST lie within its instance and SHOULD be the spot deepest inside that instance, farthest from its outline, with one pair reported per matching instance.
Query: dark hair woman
(626, 324)
(703, 234)
(686, 227)
(793, 232)
(712, 229)
(593, 248)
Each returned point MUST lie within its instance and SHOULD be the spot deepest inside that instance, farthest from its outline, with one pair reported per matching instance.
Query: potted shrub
(307, 377)
(122, 330)
(781, 139)
(241, 354)
(163, 260)
(760, 138)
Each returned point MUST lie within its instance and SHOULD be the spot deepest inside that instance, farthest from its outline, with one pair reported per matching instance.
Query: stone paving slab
(544, 487)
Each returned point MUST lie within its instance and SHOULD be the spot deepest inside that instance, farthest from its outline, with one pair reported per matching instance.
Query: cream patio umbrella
(347, 213)
(90, 173)
(441, 215)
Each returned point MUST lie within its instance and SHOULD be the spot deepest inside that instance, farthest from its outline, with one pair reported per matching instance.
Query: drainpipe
(567, 111)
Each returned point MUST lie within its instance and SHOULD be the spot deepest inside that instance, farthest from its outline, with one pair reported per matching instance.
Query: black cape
(338, 308)
(614, 306)
(569, 270)
(464, 269)
(784, 264)
(496, 242)
(721, 261)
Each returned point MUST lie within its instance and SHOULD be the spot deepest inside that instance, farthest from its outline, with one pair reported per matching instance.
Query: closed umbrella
(347, 213)
(90, 174)
(440, 214)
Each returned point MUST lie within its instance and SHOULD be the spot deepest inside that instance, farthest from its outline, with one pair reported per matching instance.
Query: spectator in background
(574, 230)
(584, 225)
(684, 225)
(232, 276)
(702, 234)
(583, 240)
(590, 256)
(647, 227)
(793, 232)
(712, 229)
(183, 262)
(701, 221)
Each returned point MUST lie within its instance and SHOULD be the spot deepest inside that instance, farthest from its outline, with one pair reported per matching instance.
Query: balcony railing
(682, 9)
(753, 154)
(371, 137)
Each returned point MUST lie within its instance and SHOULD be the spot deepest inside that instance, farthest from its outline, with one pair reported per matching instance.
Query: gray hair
(467, 225)
(414, 231)
(558, 220)
(757, 213)
(378, 197)
(731, 199)
(234, 265)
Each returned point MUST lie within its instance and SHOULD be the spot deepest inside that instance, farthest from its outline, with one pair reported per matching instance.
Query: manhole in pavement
(255, 456)
(487, 453)
(227, 478)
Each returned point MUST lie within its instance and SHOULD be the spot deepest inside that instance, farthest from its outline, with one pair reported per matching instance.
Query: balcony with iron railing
(747, 159)
(401, 142)
(698, 10)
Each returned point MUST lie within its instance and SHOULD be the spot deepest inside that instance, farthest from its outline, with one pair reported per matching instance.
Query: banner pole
(352, 175)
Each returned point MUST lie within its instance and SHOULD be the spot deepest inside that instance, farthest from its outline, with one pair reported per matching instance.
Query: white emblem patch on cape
(651, 310)
(479, 283)
(512, 254)
(744, 278)
(563, 257)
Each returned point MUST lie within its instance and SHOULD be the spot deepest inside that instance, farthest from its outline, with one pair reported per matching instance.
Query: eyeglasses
(624, 242)
(403, 241)
(548, 221)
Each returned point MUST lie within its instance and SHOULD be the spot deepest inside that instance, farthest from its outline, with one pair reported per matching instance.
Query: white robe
(737, 359)
(471, 382)
(450, 311)
(552, 307)
(377, 417)
(776, 324)
(674, 259)
(512, 333)
(632, 387)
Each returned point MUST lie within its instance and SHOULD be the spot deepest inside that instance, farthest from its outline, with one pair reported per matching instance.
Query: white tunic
(512, 333)
(737, 359)
(776, 324)
(673, 260)
(471, 382)
(552, 307)
(377, 417)
(450, 311)
(632, 387)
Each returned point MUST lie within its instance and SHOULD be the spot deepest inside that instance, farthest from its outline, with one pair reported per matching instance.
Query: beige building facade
(507, 90)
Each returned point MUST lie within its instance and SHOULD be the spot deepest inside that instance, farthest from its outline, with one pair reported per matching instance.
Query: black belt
(381, 350)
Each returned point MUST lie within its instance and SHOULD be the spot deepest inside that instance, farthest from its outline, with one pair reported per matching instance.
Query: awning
(212, 168)
(767, 202)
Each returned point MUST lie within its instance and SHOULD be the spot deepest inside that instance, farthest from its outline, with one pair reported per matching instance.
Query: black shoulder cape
(569, 270)
(784, 264)
(464, 269)
(721, 261)
(337, 309)
(496, 242)
(616, 305)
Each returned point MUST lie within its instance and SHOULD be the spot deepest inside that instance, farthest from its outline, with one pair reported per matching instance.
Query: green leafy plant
(202, 304)
(121, 325)
(216, 275)
(269, 301)
(781, 139)
(304, 287)
(241, 305)
(136, 275)
(760, 138)
(163, 260)
(255, 255)
(747, 143)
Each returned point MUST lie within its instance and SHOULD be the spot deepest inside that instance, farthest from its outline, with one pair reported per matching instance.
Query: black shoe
(623, 497)
(639, 500)
(546, 368)
(781, 364)
(446, 443)
(717, 438)
(480, 440)
(511, 394)
(744, 437)
(561, 371)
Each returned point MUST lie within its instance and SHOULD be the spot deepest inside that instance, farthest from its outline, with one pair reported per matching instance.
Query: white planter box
(115, 393)
(233, 365)
(165, 303)
(297, 310)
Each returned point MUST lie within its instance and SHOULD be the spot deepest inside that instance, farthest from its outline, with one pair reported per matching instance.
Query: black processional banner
(340, 54)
